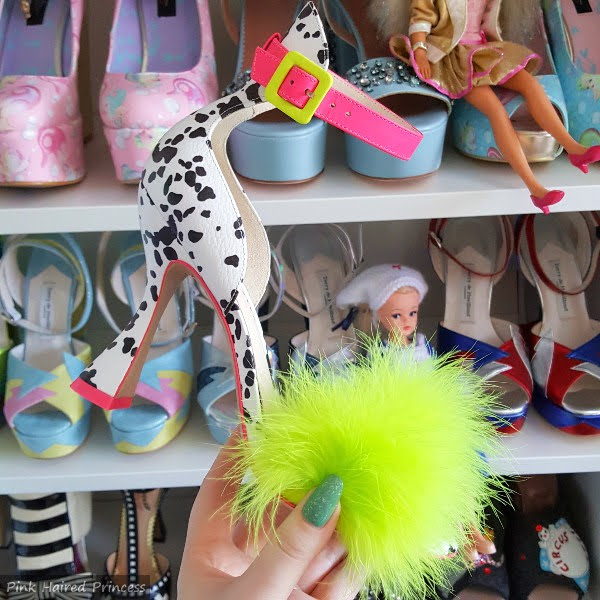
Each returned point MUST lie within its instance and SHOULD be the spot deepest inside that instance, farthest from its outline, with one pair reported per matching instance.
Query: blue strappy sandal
(392, 82)
(161, 404)
(272, 148)
(471, 130)
(574, 42)
(50, 299)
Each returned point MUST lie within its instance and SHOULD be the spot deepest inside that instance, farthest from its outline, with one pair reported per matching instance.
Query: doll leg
(542, 110)
(484, 99)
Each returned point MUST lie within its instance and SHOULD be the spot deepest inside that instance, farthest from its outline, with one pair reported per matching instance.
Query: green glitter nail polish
(322, 502)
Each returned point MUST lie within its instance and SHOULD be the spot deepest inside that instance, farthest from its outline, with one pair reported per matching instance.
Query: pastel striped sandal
(162, 398)
(50, 301)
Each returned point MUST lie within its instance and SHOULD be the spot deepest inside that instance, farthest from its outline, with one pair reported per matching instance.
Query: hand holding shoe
(306, 562)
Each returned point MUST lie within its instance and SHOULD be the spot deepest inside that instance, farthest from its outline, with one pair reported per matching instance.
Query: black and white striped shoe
(48, 534)
(135, 570)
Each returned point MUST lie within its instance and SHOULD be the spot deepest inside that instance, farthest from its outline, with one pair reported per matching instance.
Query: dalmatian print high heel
(196, 220)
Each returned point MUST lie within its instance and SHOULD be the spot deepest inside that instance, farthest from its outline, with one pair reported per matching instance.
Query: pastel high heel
(196, 220)
(47, 418)
(392, 81)
(41, 139)
(573, 37)
(552, 197)
(582, 161)
(161, 67)
(162, 396)
(271, 148)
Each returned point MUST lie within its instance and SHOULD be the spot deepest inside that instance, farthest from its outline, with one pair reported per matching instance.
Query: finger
(251, 544)
(322, 564)
(209, 514)
(340, 584)
(280, 565)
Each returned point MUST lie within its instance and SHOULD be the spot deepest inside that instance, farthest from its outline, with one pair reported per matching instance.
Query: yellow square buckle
(295, 59)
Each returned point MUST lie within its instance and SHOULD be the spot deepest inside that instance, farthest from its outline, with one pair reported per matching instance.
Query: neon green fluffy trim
(408, 440)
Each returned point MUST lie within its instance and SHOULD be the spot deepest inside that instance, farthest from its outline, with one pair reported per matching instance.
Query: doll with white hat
(393, 294)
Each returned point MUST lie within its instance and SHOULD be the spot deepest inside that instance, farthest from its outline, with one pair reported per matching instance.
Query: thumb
(305, 532)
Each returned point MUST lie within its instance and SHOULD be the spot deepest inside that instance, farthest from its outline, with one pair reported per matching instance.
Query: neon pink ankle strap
(343, 105)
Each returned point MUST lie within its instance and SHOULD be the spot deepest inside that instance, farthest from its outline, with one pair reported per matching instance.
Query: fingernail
(323, 501)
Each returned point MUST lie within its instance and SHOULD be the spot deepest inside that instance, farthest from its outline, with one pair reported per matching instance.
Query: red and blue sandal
(470, 255)
(559, 255)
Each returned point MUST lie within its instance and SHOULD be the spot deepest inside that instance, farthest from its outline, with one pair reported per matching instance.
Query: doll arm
(423, 16)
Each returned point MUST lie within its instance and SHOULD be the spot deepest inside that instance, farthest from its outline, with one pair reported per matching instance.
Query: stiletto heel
(196, 220)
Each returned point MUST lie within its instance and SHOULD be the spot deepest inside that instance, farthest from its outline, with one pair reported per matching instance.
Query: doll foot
(550, 198)
(582, 161)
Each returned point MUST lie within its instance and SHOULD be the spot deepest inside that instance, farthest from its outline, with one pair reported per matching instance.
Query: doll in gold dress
(456, 46)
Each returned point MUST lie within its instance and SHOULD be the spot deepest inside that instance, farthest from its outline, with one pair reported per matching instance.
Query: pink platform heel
(161, 67)
(41, 141)
(582, 161)
(196, 219)
(552, 197)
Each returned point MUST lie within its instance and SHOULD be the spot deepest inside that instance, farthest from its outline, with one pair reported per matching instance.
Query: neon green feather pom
(407, 439)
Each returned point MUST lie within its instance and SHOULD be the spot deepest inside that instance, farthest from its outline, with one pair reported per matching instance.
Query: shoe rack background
(395, 216)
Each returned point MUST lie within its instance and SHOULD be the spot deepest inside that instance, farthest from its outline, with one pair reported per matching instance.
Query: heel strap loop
(526, 234)
(304, 89)
(186, 290)
(62, 246)
(435, 241)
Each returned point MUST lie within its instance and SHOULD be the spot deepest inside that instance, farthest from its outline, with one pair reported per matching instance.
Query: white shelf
(97, 466)
(462, 187)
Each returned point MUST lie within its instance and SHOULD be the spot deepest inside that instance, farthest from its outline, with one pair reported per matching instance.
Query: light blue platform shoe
(574, 42)
(216, 383)
(161, 404)
(45, 290)
(472, 132)
(395, 85)
(270, 148)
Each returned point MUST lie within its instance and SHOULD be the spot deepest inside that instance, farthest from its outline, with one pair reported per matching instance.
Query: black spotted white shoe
(196, 220)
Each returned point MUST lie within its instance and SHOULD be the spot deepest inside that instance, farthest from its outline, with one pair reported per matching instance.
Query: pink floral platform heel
(41, 141)
(196, 220)
(161, 67)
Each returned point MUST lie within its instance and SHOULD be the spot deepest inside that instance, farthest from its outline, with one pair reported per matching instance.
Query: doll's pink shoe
(161, 68)
(552, 197)
(582, 161)
(41, 141)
